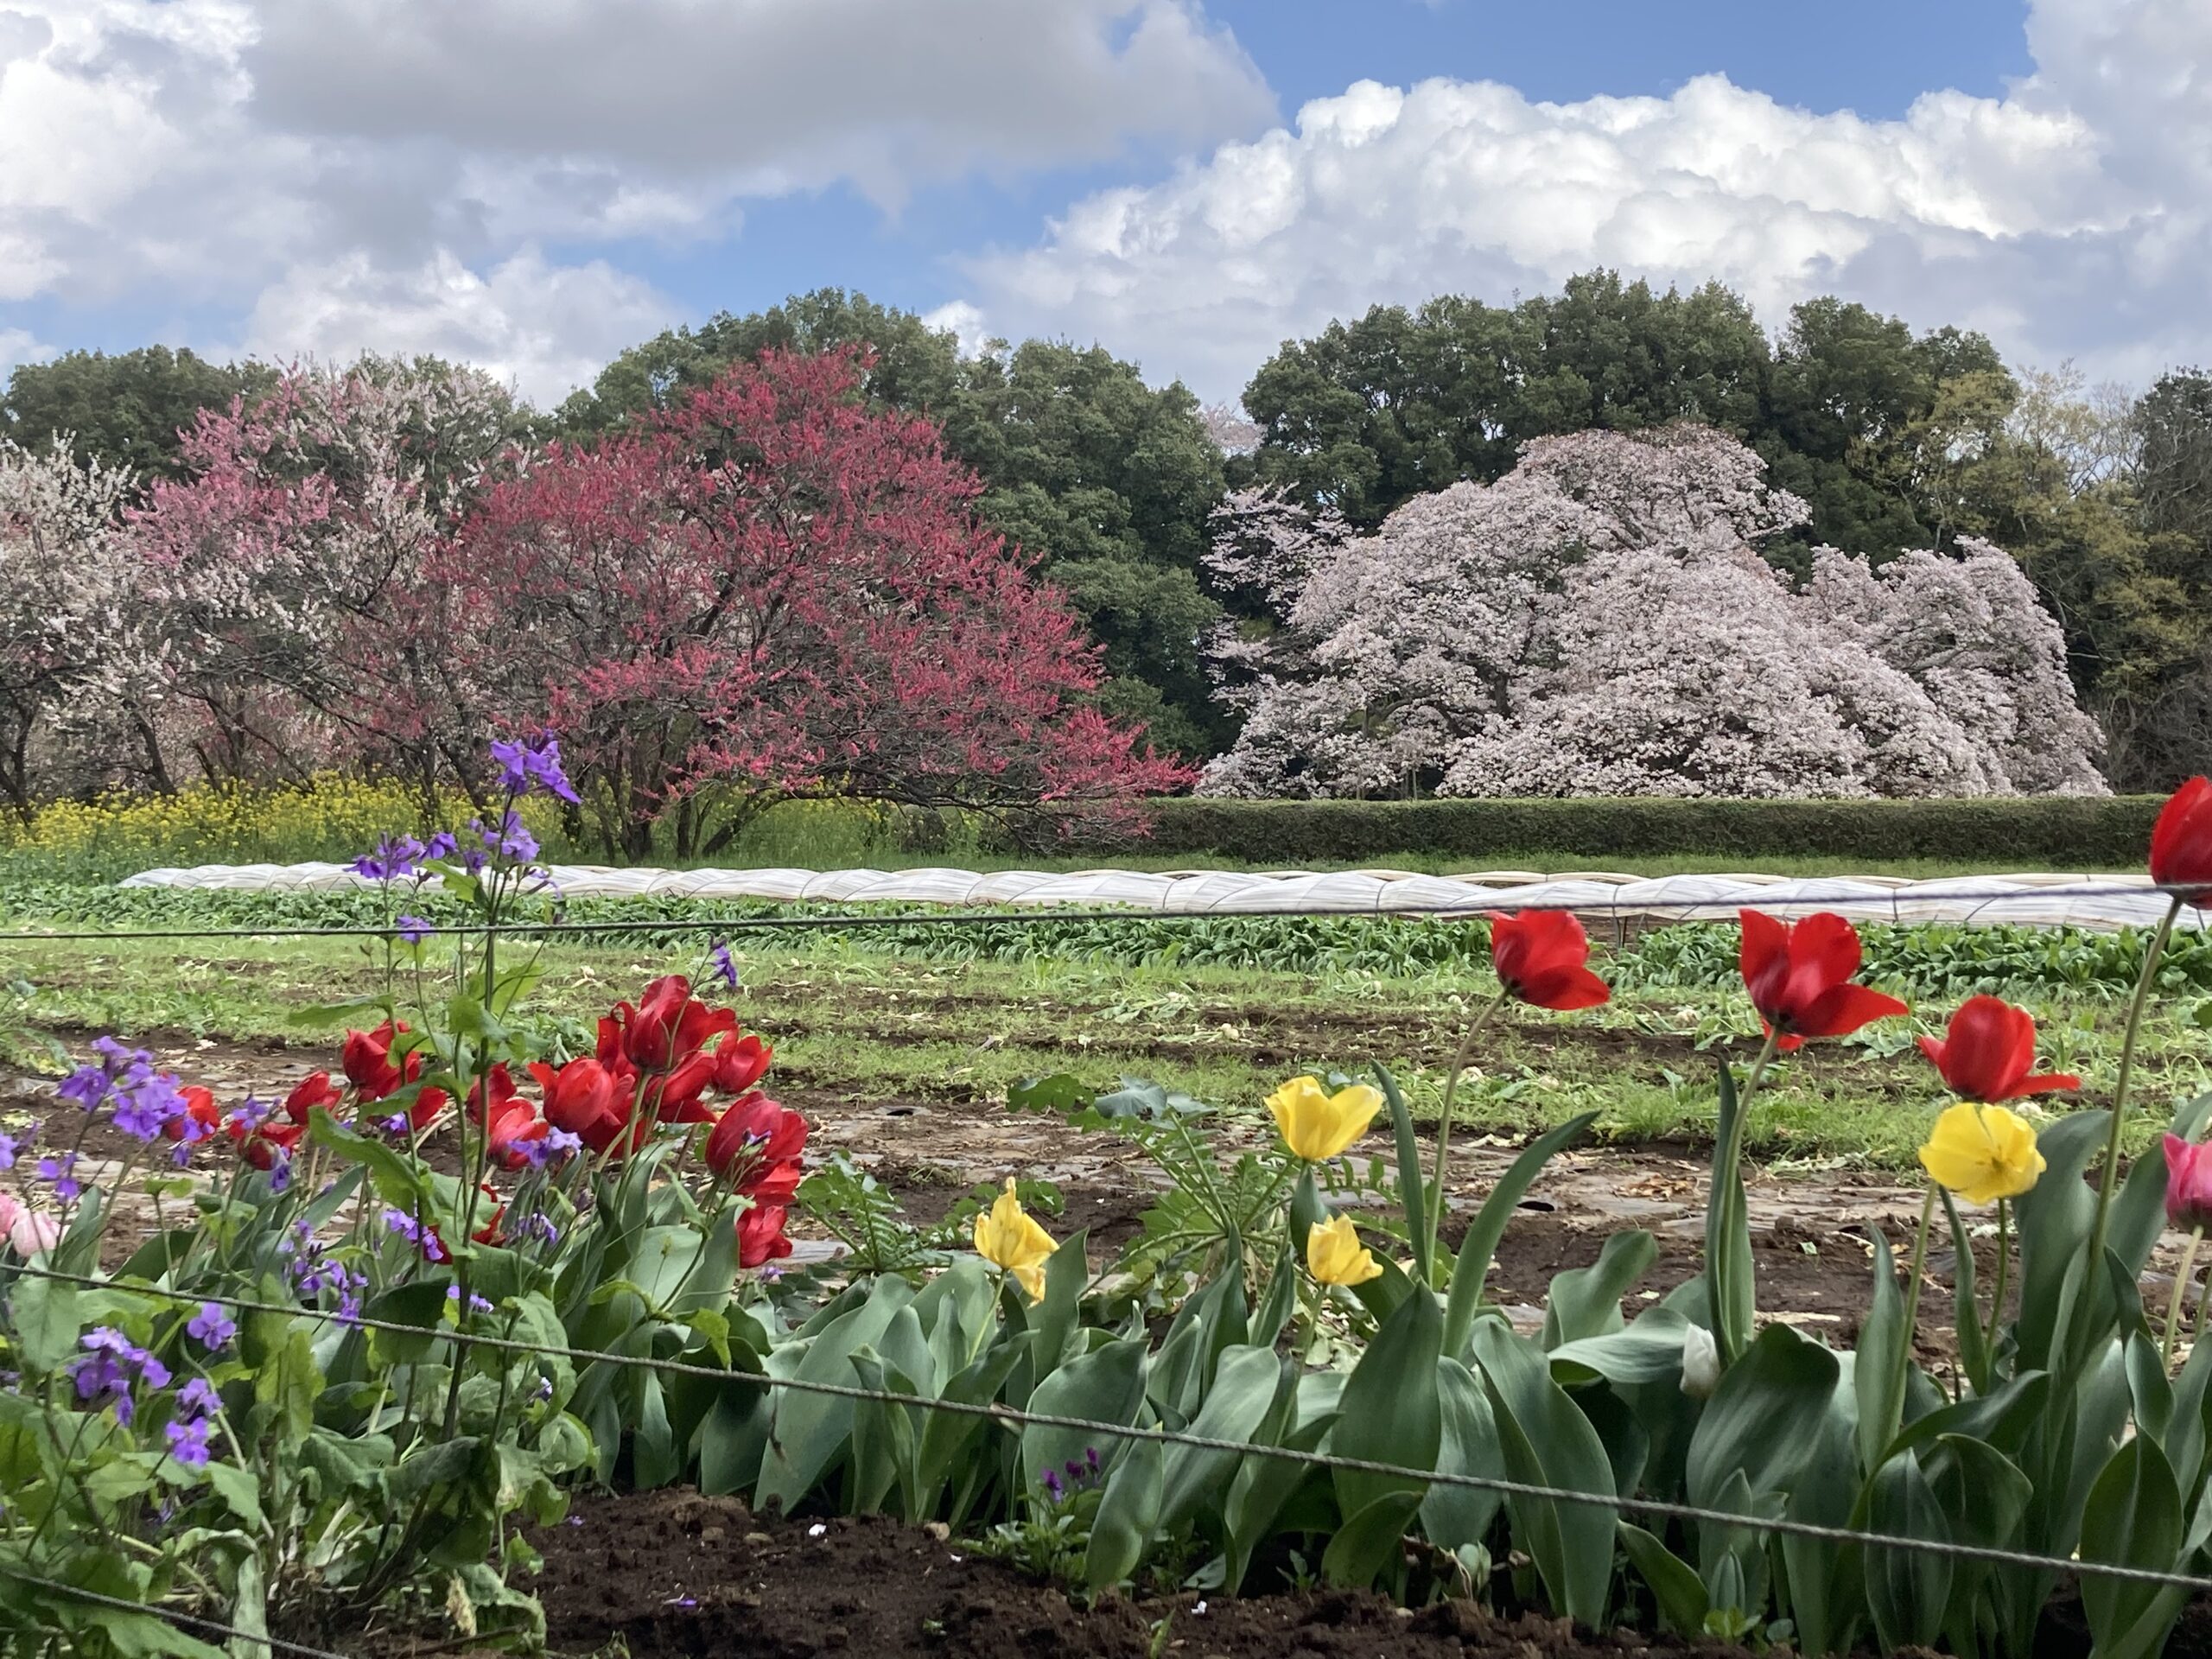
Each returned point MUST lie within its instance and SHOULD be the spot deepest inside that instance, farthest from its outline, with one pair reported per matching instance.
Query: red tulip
(2189, 1182)
(2181, 843)
(775, 1183)
(754, 1131)
(1543, 957)
(675, 1098)
(739, 1062)
(424, 1110)
(668, 1026)
(489, 1232)
(513, 1129)
(760, 1235)
(498, 1084)
(1989, 1051)
(199, 1109)
(586, 1099)
(260, 1148)
(313, 1091)
(1800, 977)
(366, 1056)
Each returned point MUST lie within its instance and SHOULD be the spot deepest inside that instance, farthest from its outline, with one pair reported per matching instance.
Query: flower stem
(2181, 1289)
(2111, 1175)
(1911, 1316)
(1444, 1123)
(2004, 1268)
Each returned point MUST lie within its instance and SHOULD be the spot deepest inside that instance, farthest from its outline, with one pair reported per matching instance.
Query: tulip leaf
(2055, 1216)
(1103, 1386)
(1906, 1589)
(1263, 1486)
(1390, 1412)
(1766, 1417)
(1369, 1541)
(1129, 1516)
(1731, 1292)
(883, 1433)
(1585, 1302)
(1648, 1350)
(1984, 1497)
(1966, 1312)
(1674, 1584)
(1477, 1248)
(1455, 1516)
(1412, 1182)
(1880, 1369)
(1278, 1304)
(807, 1430)
(1549, 1442)
(2132, 1518)
(1244, 1386)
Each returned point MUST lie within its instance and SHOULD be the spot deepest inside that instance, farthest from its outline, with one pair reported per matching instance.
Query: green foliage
(2044, 832)
(124, 410)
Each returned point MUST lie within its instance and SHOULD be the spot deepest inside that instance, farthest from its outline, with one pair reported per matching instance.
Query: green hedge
(2044, 831)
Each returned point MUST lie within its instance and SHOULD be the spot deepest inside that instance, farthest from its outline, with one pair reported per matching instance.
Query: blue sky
(532, 186)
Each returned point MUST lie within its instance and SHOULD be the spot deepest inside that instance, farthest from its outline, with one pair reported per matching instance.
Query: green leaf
(1966, 1313)
(1877, 1376)
(2132, 1518)
(423, 1305)
(1765, 1417)
(1058, 1093)
(1129, 1516)
(807, 1430)
(241, 1491)
(1104, 1386)
(1245, 1385)
(1906, 1589)
(1389, 1409)
(1369, 1541)
(46, 1323)
(1648, 1350)
(1454, 1515)
(1489, 1226)
(400, 1182)
(1674, 1584)
(1412, 1182)
(1731, 1293)
(1549, 1442)
(1585, 1302)
(2055, 1216)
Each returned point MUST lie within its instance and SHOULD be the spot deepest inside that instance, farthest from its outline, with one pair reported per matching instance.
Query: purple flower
(539, 1226)
(280, 1170)
(1052, 1487)
(512, 839)
(441, 845)
(212, 1327)
(249, 1115)
(11, 1146)
(394, 857)
(476, 1304)
(58, 1174)
(142, 1111)
(725, 965)
(527, 764)
(554, 1147)
(88, 1085)
(198, 1398)
(188, 1442)
(109, 1364)
(413, 929)
(399, 1222)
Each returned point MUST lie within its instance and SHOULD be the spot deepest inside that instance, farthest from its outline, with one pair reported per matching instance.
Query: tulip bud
(1701, 1363)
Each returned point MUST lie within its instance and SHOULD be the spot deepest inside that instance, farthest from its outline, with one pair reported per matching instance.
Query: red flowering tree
(770, 591)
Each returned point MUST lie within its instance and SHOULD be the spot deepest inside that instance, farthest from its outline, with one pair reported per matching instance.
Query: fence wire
(176, 1615)
(1017, 1417)
(1653, 909)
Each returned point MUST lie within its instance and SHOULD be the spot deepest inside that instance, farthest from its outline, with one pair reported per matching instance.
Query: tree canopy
(128, 411)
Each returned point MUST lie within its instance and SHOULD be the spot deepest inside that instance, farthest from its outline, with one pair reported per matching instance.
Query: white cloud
(350, 166)
(2063, 218)
(965, 323)
(544, 328)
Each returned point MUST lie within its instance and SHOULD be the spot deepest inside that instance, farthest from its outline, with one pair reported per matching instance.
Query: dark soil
(673, 1573)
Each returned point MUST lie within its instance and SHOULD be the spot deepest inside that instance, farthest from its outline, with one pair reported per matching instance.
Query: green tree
(125, 409)
(1105, 481)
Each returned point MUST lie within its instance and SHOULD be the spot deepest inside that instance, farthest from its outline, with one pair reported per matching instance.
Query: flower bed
(386, 1329)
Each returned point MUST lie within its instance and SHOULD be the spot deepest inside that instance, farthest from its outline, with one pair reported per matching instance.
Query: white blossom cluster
(1599, 621)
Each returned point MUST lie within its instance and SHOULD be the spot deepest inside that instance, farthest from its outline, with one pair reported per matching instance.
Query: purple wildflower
(142, 1111)
(526, 765)
(11, 1146)
(88, 1085)
(280, 1170)
(1052, 1487)
(212, 1327)
(441, 845)
(725, 965)
(198, 1398)
(59, 1172)
(476, 1304)
(249, 1115)
(187, 1442)
(413, 929)
(394, 857)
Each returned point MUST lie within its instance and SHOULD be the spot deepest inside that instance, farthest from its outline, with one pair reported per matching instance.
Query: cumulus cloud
(2063, 218)
(543, 329)
(354, 167)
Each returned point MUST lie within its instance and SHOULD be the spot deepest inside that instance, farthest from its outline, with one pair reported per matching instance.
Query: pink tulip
(2189, 1182)
(30, 1232)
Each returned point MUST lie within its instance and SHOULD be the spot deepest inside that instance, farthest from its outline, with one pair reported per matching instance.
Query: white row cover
(2098, 902)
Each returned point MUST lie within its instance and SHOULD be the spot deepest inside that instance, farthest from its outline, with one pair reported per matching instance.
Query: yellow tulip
(1334, 1255)
(1317, 1125)
(1007, 1237)
(1982, 1153)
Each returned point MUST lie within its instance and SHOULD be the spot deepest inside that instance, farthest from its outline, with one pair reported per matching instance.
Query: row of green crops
(1922, 959)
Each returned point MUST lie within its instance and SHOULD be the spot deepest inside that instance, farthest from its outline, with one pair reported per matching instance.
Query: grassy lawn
(864, 1026)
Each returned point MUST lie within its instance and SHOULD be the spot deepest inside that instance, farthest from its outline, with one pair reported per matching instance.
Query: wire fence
(1626, 1504)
